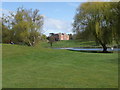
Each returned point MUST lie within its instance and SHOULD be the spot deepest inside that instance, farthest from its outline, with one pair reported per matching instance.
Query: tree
(96, 18)
(25, 26)
(43, 37)
(21, 32)
(51, 40)
(70, 36)
(115, 8)
(6, 33)
(0, 30)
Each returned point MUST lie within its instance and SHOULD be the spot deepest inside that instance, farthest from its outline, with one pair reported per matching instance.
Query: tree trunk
(33, 43)
(30, 43)
(51, 44)
(103, 45)
(104, 48)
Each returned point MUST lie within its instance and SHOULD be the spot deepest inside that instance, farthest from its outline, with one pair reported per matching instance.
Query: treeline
(22, 27)
(99, 21)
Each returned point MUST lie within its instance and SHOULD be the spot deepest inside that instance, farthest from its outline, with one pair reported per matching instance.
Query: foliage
(44, 37)
(0, 30)
(6, 34)
(51, 40)
(25, 26)
(98, 19)
(70, 36)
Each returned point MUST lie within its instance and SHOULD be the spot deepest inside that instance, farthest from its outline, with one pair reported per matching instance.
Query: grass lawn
(70, 43)
(37, 67)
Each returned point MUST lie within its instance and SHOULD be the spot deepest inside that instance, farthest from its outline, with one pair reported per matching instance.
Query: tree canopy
(98, 19)
(22, 27)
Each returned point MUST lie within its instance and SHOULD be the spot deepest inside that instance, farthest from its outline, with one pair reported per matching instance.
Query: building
(60, 36)
(63, 36)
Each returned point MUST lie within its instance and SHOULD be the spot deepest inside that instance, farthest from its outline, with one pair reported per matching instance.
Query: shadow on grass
(90, 51)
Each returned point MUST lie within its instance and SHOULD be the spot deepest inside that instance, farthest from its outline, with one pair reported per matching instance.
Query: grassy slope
(70, 43)
(38, 67)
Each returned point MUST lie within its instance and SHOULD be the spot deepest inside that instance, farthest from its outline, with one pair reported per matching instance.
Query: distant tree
(51, 40)
(43, 37)
(70, 36)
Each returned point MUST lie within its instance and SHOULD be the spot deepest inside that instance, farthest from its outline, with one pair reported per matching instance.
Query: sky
(58, 16)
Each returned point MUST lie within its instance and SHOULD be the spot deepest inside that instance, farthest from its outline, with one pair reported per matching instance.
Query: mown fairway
(37, 67)
(70, 43)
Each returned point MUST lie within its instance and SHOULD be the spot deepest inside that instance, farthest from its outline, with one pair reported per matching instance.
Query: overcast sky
(58, 16)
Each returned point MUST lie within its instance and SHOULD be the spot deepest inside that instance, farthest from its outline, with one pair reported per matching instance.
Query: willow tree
(96, 18)
(115, 7)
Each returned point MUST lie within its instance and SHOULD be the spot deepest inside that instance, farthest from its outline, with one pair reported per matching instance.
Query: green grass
(70, 43)
(37, 67)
